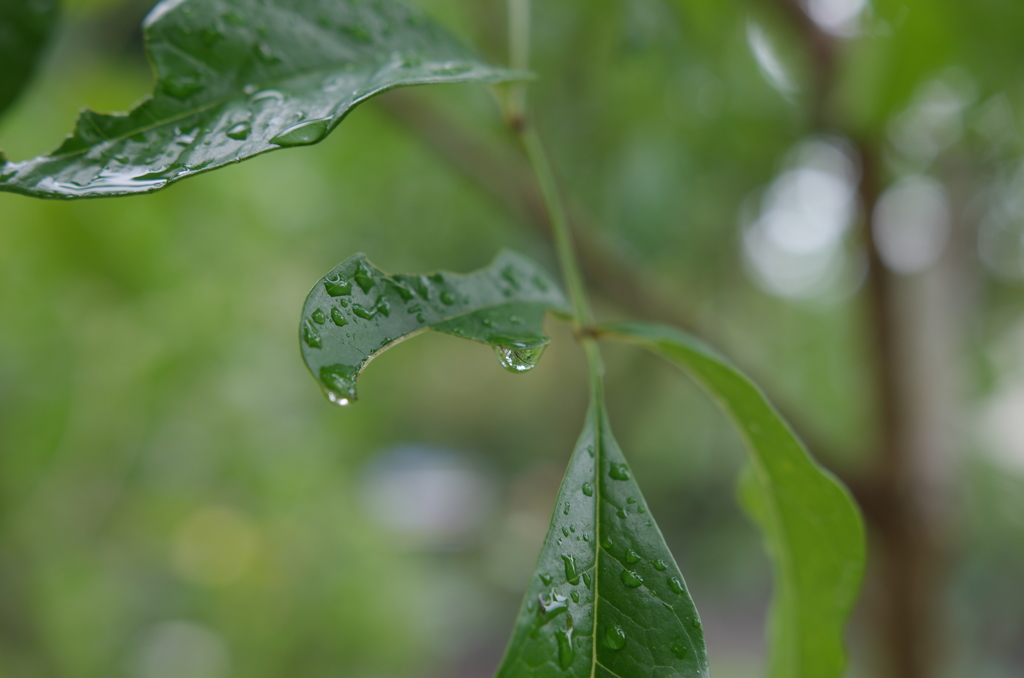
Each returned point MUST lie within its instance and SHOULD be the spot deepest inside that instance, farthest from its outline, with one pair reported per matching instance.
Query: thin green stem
(519, 47)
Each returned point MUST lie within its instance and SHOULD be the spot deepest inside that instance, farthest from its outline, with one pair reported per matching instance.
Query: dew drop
(622, 513)
(679, 651)
(337, 318)
(631, 500)
(239, 131)
(337, 286)
(619, 472)
(402, 290)
(518, 359)
(571, 575)
(575, 596)
(509, 274)
(631, 557)
(590, 450)
(565, 651)
(614, 638)
(676, 585)
(304, 133)
(586, 537)
(551, 602)
(587, 579)
(565, 532)
(631, 579)
(266, 95)
(588, 489)
(363, 312)
(447, 299)
(572, 528)
(695, 623)
(310, 335)
(319, 317)
(340, 382)
(659, 565)
(420, 318)
(641, 509)
(606, 542)
(565, 509)
(546, 579)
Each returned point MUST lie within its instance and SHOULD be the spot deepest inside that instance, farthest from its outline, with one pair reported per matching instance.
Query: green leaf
(356, 311)
(607, 598)
(812, 527)
(236, 78)
(25, 26)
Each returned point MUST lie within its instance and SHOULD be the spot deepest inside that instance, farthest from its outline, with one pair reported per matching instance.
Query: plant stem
(519, 45)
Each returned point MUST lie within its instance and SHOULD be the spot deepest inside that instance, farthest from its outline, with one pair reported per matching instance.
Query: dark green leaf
(812, 527)
(25, 26)
(607, 599)
(356, 311)
(236, 78)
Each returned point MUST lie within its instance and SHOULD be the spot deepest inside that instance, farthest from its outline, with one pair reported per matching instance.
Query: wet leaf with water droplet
(25, 27)
(369, 294)
(812, 528)
(253, 76)
(626, 620)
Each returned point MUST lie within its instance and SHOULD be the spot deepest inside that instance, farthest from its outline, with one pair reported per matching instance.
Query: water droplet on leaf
(310, 335)
(304, 133)
(614, 638)
(659, 565)
(546, 579)
(631, 557)
(676, 585)
(570, 569)
(447, 299)
(631, 579)
(239, 131)
(337, 318)
(551, 602)
(619, 472)
(565, 651)
(588, 489)
(679, 651)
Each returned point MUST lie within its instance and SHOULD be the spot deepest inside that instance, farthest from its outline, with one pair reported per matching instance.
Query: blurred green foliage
(173, 485)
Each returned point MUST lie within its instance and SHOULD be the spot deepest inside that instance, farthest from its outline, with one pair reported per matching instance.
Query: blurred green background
(178, 500)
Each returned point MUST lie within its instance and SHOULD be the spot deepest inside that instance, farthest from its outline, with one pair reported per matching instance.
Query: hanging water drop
(614, 638)
(518, 359)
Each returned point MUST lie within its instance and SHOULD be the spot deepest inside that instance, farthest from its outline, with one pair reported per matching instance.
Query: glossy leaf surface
(25, 26)
(356, 311)
(607, 599)
(236, 78)
(811, 525)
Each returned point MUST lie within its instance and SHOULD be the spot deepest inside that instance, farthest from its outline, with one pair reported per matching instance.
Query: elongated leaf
(236, 78)
(356, 311)
(812, 527)
(607, 599)
(25, 26)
